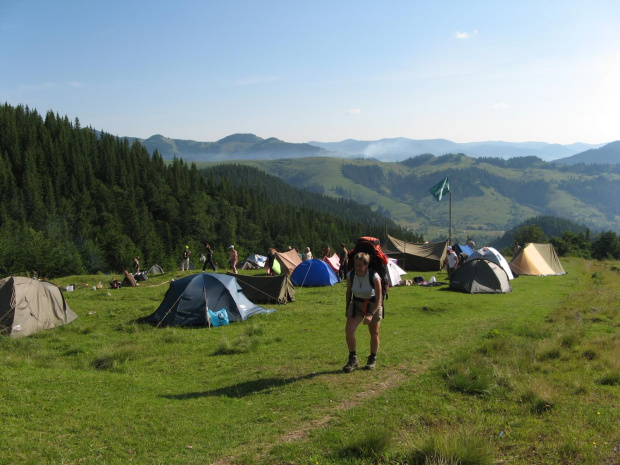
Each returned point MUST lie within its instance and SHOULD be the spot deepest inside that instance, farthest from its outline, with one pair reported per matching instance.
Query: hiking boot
(352, 364)
(370, 364)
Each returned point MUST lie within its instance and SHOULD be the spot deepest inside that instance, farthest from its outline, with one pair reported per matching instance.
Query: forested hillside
(78, 201)
(489, 195)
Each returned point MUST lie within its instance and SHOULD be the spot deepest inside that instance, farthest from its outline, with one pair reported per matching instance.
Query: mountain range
(252, 147)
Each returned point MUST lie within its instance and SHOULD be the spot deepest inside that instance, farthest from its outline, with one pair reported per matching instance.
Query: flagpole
(450, 219)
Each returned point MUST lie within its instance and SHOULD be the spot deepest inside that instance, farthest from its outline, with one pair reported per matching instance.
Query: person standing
(363, 305)
(136, 265)
(271, 257)
(452, 260)
(232, 258)
(343, 255)
(208, 258)
(185, 262)
(307, 255)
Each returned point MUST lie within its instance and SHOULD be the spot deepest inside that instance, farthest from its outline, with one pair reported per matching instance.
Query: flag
(440, 189)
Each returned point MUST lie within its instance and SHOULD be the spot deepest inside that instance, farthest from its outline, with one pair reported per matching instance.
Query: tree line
(79, 201)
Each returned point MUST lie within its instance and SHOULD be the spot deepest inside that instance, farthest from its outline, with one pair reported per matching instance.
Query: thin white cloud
(465, 35)
(354, 111)
(36, 87)
(253, 80)
(500, 106)
(75, 84)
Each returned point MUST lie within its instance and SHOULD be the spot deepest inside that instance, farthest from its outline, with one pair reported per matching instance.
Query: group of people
(233, 258)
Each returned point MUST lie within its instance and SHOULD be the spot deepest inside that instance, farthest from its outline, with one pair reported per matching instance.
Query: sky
(318, 70)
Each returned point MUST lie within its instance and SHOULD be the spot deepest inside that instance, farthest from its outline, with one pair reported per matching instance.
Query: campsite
(530, 376)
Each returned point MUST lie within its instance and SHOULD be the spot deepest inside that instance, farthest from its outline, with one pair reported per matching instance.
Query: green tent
(266, 289)
(428, 256)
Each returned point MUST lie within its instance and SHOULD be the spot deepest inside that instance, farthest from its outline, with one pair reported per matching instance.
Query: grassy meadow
(529, 377)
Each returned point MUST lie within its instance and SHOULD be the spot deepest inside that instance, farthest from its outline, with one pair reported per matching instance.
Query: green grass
(527, 377)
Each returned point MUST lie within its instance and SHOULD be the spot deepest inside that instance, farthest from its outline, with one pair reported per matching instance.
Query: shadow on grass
(249, 387)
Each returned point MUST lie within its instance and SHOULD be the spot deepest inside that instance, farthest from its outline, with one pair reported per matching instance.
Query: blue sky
(320, 70)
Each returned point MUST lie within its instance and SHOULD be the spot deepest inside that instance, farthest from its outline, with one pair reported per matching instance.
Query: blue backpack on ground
(219, 318)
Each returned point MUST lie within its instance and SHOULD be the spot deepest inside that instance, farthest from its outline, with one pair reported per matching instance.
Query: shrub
(371, 444)
(450, 450)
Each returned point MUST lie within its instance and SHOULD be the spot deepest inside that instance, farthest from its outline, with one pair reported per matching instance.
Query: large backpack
(378, 261)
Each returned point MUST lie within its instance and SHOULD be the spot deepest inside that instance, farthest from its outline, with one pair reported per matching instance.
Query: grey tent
(480, 276)
(187, 300)
(191, 266)
(412, 256)
(28, 306)
(492, 255)
(266, 289)
(155, 269)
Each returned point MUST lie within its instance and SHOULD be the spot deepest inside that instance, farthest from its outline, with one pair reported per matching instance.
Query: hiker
(471, 243)
(208, 258)
(343, 262)
(185, 262)
(233, 257)
(452, 260)
(307, 255)
(363, 304)
(136, 265)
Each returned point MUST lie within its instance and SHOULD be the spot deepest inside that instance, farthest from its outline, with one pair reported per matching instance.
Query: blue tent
(463, 248)
(187, 300)
(313, 273)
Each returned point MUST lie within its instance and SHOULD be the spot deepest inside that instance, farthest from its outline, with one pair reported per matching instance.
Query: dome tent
(537, 260)
(480, 276)
(314, 272)
(492, 255)
(188, 298)
(28, 306)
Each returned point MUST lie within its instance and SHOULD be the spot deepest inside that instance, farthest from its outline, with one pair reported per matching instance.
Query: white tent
(492, 255)
(394, 272)
(253, 262)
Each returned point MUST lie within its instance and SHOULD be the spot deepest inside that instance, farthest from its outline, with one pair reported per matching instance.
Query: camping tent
(334, 262)
(394, 272)
(288, 261)
(314, 272)
(463, 248)
(191, 266)
(489, 253)
(537, 260)
(253, 262)
(187, 299)
(480, 276)
(28, 306)
(266, 289)
(155, 269)
(416, 257)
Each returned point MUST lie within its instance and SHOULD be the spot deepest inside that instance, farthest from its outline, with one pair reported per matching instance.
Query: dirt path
(384, 380)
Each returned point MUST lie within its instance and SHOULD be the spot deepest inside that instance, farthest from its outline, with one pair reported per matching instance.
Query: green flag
(440, 189)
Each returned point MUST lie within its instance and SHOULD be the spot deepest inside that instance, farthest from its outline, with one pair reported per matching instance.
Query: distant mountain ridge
(233, 147)
(609, 153)
(401, 148)
(252, 147)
